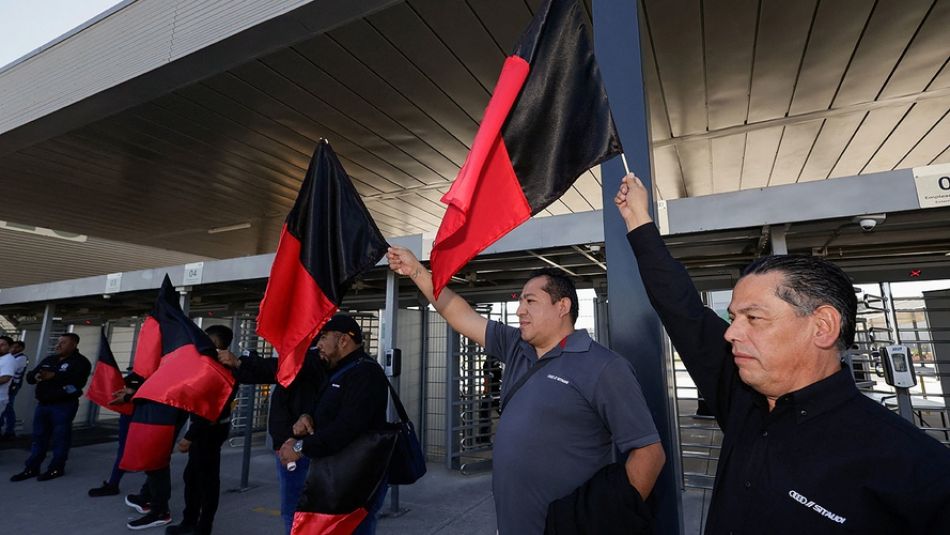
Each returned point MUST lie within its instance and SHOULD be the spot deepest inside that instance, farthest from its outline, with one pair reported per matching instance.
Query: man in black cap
(352, 402)
(286, 406)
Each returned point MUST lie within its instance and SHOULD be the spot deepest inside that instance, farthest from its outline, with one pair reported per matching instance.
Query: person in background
(8, 416)
(59, 381)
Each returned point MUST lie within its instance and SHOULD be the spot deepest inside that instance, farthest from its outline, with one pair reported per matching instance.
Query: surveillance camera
(869, 222)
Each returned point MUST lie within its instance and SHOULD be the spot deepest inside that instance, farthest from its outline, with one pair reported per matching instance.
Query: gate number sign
(933, 185)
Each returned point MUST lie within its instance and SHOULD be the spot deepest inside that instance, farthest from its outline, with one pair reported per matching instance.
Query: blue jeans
(368, 525)
(117, 473)
(8, 417)
(291, 486)
(52, 423)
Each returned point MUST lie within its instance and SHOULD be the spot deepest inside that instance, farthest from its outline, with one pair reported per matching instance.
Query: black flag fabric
(548, 121)
(329, 239)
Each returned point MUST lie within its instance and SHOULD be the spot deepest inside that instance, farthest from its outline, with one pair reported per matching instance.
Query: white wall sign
(113, 283)
(193, 274)
(933, 185)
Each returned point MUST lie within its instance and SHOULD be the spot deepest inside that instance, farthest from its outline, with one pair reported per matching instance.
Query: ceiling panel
(834, 35)
(760, 150)
(729, 29)
(836, 133)
(797, 141)
(741, 94)
(935, 142)
(925, 56)
(676, 29)
(783, 31)
(727, 156)
(877, 126)
(915, 125)
(888, 33)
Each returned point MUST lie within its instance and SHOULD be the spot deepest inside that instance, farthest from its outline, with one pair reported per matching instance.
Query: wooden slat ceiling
(742, 94)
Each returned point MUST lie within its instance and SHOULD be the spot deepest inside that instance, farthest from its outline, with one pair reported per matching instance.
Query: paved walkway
(443, 502)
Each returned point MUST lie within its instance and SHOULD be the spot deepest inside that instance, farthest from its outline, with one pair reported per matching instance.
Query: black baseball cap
(342, 323)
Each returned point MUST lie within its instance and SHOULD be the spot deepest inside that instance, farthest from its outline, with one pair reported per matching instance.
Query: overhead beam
(805, 117)
(890, 191)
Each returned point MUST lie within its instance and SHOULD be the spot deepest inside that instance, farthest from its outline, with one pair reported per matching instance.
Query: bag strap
(400, 410)
(339, 373)
(524, 379)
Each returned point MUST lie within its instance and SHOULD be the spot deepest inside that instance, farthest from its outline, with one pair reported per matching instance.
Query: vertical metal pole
(777, 239)
(250, 401)
(452, 461)
(423, 370)
(387, 343)
(184, 299)
(635, 330)
(40, 350)
(136, 328)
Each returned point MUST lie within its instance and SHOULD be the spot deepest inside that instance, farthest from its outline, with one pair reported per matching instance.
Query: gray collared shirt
(561, 427)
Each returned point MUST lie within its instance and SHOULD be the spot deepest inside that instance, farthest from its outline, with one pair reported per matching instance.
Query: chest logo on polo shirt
(816, 508)
(64, 366)
(558, 379)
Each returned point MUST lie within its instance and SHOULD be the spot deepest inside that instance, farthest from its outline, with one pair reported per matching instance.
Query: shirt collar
(578, 341)
(820, 397)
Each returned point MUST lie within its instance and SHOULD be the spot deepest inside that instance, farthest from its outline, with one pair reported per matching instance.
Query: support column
(635, 330)
(40, 350)
(387, 342)
(777, 239)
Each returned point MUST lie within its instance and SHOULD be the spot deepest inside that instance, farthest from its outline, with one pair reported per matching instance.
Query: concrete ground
(443, 502)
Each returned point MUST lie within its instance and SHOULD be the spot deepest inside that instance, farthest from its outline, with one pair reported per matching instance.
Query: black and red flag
(548, 121)
(328, 239)
(341, 487)
(188, 378)
(107, 379)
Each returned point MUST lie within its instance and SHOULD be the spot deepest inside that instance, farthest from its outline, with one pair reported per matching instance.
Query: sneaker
(150, 520)
(136, 502)
(106, 489)
(26, 474)
(50, 474)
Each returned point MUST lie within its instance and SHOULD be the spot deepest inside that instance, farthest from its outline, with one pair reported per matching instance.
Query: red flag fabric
(328, 240)
(547, 122)
(189, 375)
(148, 348)
(327, 524)
(151, 437)
(107, 379)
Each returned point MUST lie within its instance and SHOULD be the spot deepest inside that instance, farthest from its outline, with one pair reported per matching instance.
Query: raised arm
(695, 330)
(450, 305)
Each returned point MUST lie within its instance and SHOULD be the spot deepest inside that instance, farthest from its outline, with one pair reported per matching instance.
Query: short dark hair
(73, 336)
(559, 286)
(810, 282)
(7, 339)
(222, 333)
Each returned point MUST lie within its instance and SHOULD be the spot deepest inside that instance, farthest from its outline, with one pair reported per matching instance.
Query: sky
(26, 25)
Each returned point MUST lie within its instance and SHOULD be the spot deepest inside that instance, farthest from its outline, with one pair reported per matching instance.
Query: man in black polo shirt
(59, 380)
(567, 404)
(352, 402)
(803, 451)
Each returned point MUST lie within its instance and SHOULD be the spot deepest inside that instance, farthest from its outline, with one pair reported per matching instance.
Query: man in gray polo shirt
(564, 421)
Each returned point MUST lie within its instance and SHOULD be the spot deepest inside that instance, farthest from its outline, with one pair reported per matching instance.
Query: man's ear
(564, 306)
(827, 321)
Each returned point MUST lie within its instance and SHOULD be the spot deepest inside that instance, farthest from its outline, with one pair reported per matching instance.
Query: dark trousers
(202, 477)
(8, 417)
(157, 489)
(52, 422)
(117, 472)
